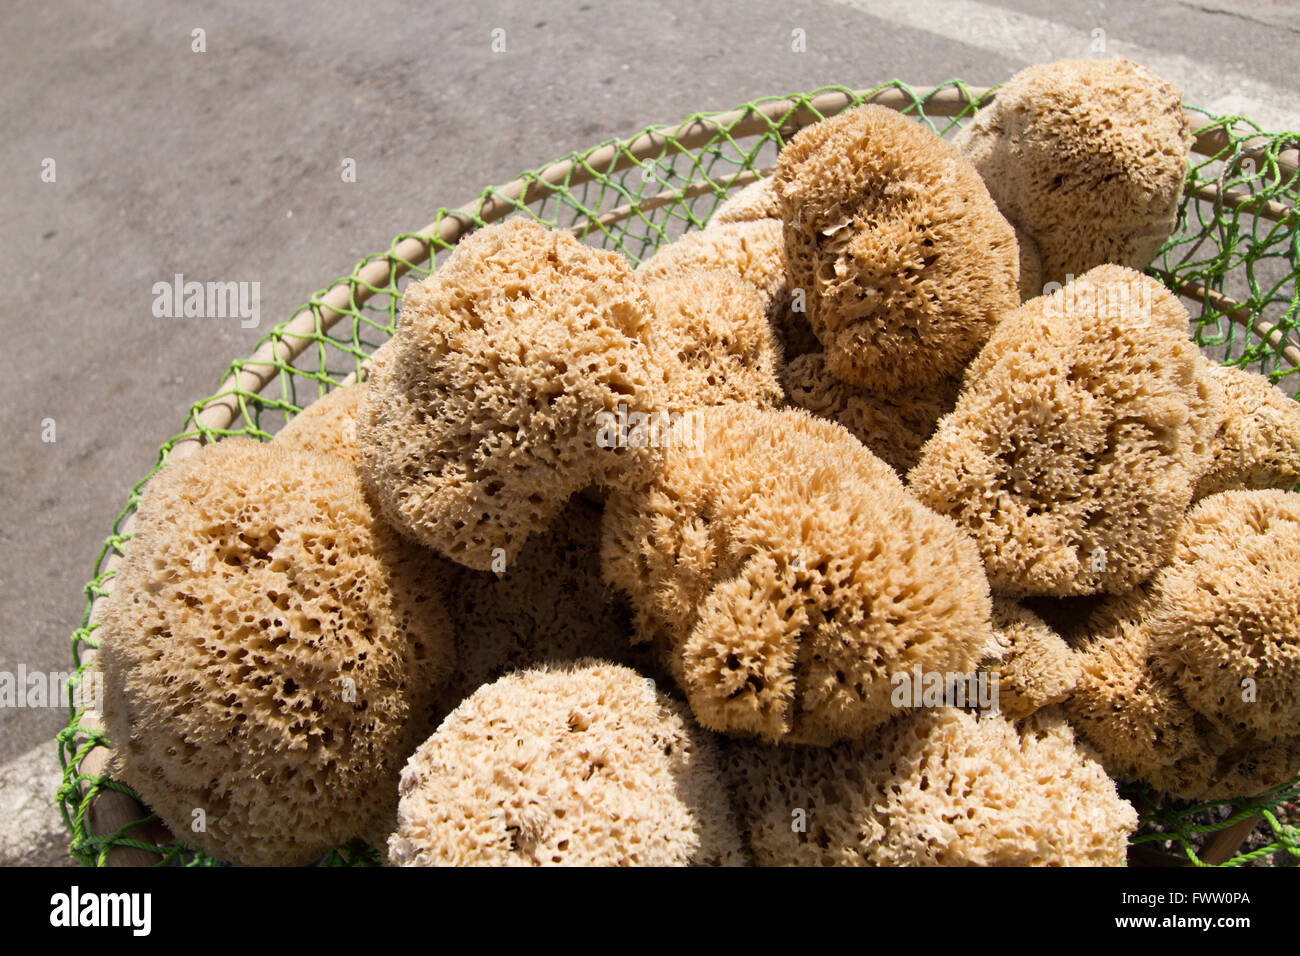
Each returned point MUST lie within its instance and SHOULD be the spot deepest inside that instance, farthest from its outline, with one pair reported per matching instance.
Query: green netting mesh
(1236, 253)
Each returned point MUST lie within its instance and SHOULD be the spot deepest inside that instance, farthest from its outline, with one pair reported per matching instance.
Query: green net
(1233, 259)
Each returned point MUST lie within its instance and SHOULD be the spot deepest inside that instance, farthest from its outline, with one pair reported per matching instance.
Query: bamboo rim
(110, 810)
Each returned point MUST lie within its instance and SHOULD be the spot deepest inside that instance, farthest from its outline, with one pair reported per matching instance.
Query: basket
(1234, 259)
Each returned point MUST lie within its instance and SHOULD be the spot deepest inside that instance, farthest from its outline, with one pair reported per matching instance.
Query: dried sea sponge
(1077, 440)
(483, 417)
(1227, 612)
(1134, 717)
(327, 426)
(756, 201)
(1190, 683)
(894, 425)
(1035, 667)
(753, 250)
(584, 764)
(1086, 156)
(549, 605)
(714, 341)
(938, 787)
(905, 260)
(785, 574)
(270, 650)
(1258, 441)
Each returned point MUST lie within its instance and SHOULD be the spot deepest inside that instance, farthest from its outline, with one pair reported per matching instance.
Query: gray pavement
(225, 165)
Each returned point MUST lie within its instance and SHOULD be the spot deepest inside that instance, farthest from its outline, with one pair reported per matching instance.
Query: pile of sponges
(891, 519)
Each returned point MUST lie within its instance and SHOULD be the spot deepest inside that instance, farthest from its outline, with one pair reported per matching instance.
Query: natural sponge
(1134, 716)
(752, 251)
(1086, 156)
(906, 263)
(548, 605)
(938, 787)
(1074, 448)
(484, 416)
(1258, 441)
(1190, 683)
(1033, 664)
(787, 575)
(714, 341)
(1226, 624)
(894, 425)
(584, 764)
(270, 650)
(758, 200)
(327, 426)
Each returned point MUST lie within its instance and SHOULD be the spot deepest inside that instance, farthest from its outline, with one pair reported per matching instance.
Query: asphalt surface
(224, 165)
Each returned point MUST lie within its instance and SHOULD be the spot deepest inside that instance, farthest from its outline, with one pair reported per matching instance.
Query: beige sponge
(1086, 156)
(1138, 721)
(1226, 624)
(937, 787)
(485, 414)
(584, 764)
(1034, 666)
(906, 262)
(753, 251)
(270, 652)
(894, 425)
(1258, 442)
(788, 575)
(1190, 683)
(327, 426)
(756, 201)
(548, 605)
(1077, 441)
(714, 340)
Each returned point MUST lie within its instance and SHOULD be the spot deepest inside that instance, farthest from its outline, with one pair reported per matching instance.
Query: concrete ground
(225, 165)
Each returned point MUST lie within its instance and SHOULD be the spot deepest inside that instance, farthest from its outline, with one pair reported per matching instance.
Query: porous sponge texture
(1073, 451)
(1135, 717)
(1086, 156)
(906, 262)
(756, 201)
(894, 425)
(753, 251)
(584, 764)
(549, 605)
(1189, 683)
(938, 787)
(482, 419)
(1258, 442)
(786, 574)
(1228, 612)
(714, 341)
(1034, 665)
(270, 650)
(328, 426)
